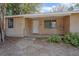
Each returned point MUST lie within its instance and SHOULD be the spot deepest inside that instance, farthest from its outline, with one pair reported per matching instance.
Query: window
(50, 23)
(53, 24)
(10, 22)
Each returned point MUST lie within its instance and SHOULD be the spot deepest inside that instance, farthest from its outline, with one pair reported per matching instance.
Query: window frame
(10, 23)
(49, 26)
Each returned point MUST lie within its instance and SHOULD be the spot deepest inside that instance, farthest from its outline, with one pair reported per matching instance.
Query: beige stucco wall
(74, 22)
(18, 30)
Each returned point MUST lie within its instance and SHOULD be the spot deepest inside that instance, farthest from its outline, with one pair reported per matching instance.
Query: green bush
(54, 38)
(72, 38)
(67, 37)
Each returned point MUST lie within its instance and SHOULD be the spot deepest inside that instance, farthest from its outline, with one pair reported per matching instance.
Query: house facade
(52, 23)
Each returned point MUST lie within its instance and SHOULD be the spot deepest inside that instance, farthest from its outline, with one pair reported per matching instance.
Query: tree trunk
(2, 24)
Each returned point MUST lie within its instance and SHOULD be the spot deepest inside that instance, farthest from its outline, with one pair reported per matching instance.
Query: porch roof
(43, 15)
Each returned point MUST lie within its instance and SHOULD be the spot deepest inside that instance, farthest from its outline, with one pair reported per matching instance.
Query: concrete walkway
(30, 47)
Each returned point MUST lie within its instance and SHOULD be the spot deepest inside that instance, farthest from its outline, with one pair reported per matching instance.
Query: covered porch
(36, 26)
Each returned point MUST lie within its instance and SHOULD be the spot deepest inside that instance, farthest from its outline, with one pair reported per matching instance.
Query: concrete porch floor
(30, 47)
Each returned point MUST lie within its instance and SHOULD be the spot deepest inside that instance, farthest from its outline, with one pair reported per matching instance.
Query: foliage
(54, 38)
(19, 8)
(70, 8)
(67, 37)
(72, 38)
(31, 7)
(77, 5)
(13, 8)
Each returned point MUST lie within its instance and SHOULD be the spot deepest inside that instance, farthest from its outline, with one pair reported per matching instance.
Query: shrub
(67, 37)
(72, 38)
(54, 38)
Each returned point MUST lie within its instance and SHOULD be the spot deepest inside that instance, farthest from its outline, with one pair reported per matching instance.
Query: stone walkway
(30, 47)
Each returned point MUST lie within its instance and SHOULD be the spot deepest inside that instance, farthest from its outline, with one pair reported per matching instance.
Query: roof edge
(44, 14)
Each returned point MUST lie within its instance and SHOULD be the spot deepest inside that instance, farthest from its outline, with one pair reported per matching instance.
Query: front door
(35, 27)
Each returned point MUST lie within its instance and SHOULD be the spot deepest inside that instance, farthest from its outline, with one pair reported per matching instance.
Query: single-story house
(51, 23)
